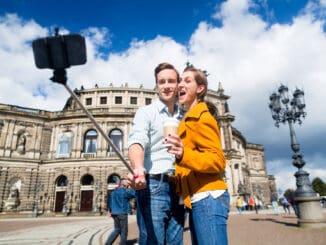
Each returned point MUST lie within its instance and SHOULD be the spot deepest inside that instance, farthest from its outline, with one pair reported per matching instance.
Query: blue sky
(140, 19)
(251, 47)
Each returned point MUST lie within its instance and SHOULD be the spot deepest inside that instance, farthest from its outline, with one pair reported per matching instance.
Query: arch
(116, 136)
(114, 179)
(87, 179)
(12, 201)
(61, 184)
(61, 180)
(90, 141)
(14, 185)
(212, 109)
(87, 193)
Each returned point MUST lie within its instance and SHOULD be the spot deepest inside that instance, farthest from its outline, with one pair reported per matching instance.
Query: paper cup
(170, 126)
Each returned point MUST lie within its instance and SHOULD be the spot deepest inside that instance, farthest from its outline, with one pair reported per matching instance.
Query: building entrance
(86, 201)
(59, 200)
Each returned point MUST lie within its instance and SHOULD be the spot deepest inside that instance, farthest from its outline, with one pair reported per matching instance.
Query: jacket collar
(197, 110)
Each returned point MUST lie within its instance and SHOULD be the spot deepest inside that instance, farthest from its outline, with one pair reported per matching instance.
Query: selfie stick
(59, 76)
(60, 52)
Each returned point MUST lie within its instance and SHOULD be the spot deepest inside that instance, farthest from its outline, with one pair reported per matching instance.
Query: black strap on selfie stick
(59, 76)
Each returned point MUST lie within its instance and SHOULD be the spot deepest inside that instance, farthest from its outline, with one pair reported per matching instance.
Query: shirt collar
(162, 107)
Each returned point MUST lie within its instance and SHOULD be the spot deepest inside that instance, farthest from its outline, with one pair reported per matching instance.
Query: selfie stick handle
(99, 128)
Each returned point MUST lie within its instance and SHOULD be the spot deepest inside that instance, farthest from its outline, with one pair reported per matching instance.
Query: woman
(200, 163)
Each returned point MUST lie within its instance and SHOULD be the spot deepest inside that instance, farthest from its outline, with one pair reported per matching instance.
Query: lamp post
(291, 110)
(38, 188)
(64, 207)
(95, 209)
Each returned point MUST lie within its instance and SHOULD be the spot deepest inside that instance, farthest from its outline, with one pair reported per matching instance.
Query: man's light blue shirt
(147, 130)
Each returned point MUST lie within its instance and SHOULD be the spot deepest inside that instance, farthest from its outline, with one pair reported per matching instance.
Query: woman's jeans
(159, 216)
(208, 220)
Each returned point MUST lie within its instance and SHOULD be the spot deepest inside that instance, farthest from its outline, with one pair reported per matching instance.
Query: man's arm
(136, 156)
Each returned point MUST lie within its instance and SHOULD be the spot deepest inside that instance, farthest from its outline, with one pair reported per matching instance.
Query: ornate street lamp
(285, 109)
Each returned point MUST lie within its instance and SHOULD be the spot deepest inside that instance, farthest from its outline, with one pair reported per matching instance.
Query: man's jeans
(120, 227)
(159, 216)
(208, 220)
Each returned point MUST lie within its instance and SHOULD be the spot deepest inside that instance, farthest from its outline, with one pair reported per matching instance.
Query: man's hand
(109, 214)
(137, 181)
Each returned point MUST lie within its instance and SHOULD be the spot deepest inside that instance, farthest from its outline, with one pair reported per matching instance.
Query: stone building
(58, 163)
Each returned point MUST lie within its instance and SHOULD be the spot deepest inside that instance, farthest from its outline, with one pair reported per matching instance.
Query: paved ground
(249, 228)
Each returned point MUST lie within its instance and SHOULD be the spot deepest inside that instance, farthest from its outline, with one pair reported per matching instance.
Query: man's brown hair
(163, 66)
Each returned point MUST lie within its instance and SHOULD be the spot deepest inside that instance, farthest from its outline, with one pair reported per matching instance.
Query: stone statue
(21, 144)
(241, 188)
(13, 199)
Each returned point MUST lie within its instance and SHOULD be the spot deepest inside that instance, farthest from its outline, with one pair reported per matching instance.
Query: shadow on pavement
(131, 242)
(276, 221)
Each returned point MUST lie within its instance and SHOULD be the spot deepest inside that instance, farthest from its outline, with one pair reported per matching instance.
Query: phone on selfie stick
(59, 52)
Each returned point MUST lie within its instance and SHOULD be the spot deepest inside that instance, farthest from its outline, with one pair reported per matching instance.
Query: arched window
(64, 144)
(114, 179)
(87, 180)
(116, 138)
(90, 141)
(62, 181)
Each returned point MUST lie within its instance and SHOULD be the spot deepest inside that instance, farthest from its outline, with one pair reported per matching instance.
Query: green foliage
(288, 193)
(319, 186)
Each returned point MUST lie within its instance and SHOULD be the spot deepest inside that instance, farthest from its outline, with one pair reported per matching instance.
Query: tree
(289, 193)
(319, 186)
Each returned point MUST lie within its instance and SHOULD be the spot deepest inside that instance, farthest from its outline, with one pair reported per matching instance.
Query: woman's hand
(174, 145)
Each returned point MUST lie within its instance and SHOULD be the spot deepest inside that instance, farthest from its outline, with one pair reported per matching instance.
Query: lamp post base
(310, 212)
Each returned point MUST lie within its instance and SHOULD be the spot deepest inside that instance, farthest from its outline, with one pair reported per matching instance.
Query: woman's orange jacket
(203, 161)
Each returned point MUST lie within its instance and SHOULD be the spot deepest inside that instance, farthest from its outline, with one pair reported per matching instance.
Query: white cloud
(284, 171)
(286, 179)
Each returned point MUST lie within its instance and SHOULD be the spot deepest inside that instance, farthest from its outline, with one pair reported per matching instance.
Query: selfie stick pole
(60, 77)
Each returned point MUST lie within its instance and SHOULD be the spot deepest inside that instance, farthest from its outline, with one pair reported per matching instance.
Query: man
(160, 218)
(118, 209)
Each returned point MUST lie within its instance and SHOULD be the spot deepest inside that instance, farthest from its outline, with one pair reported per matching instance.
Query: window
(114, 179)
(62, 180)
(64, 144)
(116, 138)
(90, 141)
(133, 100)
(88, 101)
(118, 100)
(103, 100)
(148, 101)
(87, 180)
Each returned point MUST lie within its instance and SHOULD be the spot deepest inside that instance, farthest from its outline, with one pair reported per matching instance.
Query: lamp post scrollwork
(291, 110)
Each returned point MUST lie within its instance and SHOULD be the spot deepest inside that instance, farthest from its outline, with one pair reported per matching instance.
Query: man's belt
(164, 177)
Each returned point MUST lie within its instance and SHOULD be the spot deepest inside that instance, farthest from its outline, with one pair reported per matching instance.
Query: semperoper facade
(57, 163)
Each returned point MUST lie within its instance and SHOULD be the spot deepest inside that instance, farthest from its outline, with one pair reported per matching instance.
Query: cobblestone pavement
(249, 228)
